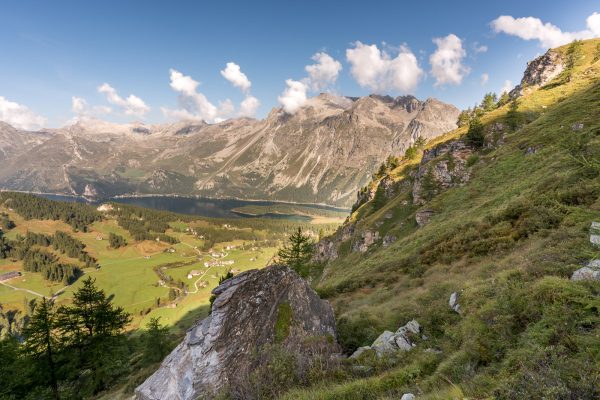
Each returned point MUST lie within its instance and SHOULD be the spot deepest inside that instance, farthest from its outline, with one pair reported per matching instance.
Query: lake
(205, 207)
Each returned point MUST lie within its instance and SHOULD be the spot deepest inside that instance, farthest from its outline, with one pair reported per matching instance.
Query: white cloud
(484, 79)
(249, 106)
(479, 48)
(294, 96)
(380, 72)
(446, 61)
(132, 105)
(19, 115)
(80, 107)
(508, 86)
(324, 73)
(237, 78)
(548, 35)
(194, 105)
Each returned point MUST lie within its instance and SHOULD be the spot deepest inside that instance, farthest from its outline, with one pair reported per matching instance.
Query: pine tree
(156, 341)
(298, 252)
(42, 344)
(475, 134)
(489, 102)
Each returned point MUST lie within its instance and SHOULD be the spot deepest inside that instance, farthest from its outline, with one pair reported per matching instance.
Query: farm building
(193, 273)
(9, 275)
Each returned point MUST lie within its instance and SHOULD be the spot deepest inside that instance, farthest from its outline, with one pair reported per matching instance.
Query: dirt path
(23, 290)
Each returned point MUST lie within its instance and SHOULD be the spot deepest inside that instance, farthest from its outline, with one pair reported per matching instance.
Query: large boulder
(253, 309)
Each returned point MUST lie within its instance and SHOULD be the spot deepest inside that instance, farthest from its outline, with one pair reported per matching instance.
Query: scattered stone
(219, 351)
(388, 215)
(384, 344)
(403, 335)
(595, 233)
(577, 127)
(532, 150)
(454, 302)
(591, 272)
(387, 240)
(360, 351)
(404, 202)
(423, 216)
(408, 396)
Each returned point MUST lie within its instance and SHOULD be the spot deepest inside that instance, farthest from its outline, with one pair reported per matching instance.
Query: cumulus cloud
(294, 96)
(446, 61)
(324, 72)
(249, 106)
(548, 35)
(19, 115)
(484, 79)
(132, 105)
(507, 87)
(237, 78)
(379, 71)
(80, 107)
(193, 104)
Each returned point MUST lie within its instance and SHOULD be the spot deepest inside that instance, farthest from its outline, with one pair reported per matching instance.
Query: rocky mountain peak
(539, 72)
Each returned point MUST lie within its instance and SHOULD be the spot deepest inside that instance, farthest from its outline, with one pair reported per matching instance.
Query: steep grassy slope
(507, 241)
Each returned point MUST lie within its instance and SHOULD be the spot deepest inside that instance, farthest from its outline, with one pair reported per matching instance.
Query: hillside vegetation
(505, 231)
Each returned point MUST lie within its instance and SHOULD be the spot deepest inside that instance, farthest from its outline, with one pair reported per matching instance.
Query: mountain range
(323, 153)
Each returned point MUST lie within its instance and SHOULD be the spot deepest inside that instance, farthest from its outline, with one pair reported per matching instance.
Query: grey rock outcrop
(423, 216)
(408, 396)
(391, 342)
(325, 250)
(539, 72)
(442, 167)
(367, 238)
(219, 350)
(389, 186)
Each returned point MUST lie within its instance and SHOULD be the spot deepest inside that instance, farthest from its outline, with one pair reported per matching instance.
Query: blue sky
(53, 51)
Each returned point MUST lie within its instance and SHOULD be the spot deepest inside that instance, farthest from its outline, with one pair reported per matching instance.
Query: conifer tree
(298, 252)
(42, 344)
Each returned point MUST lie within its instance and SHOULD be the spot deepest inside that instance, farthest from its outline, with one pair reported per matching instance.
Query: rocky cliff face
(323, 153)
(539, 72)
(253, 309)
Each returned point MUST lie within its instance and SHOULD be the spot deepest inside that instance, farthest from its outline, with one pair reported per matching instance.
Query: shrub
(475, 135)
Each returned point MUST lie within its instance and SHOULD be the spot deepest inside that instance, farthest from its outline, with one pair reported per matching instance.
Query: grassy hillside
(507, 241)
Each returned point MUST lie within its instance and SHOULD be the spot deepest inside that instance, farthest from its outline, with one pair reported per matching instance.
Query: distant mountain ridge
(323, 153)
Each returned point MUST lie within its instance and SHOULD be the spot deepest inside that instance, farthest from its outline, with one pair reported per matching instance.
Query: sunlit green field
(127, 273)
